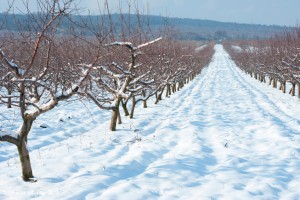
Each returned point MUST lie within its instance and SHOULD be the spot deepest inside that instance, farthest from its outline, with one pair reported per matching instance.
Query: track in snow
(223, 136)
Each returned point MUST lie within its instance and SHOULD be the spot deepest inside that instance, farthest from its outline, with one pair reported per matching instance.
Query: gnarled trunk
(27, 174)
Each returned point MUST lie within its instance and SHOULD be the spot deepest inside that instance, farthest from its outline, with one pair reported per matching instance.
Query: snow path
(223, 136)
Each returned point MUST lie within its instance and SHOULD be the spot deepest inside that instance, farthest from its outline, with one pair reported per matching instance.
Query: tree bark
(169, 90)
(114, 116)
(270, 80)
(174, 88)
(144, 101)
(124, 106)
(293, 89)
(158, 98)
(119, 118)
(132, 107)
(274, 83)
(27, 174)
(283, 86)
(9, 90)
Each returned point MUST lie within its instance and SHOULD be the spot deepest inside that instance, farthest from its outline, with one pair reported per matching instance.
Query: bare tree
(40, 70)
(114, 79)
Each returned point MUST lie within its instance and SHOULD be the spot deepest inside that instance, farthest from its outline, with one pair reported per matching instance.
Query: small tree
(113, 80)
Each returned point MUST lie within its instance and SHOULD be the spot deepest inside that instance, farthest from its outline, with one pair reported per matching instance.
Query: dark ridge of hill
(209, 29)
(185, 29)
(199, 29)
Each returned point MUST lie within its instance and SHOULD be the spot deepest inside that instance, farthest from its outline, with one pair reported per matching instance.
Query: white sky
(279, 12)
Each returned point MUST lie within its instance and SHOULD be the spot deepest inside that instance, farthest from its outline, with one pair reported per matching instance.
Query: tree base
(30, 180)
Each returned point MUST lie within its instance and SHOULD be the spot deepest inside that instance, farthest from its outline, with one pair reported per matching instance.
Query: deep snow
(223, 136)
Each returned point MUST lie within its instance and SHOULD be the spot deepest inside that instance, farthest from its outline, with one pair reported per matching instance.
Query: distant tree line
(186, 29)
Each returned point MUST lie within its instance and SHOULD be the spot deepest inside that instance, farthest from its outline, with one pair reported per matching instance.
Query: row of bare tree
(41, 66)
(277, 59)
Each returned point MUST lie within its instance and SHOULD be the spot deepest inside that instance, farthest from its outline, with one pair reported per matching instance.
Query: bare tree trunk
(114, 117)
(261, 78)
(124, 106)
(158, 98)
(255, 76)
(119, 118)
(293, 89)
(174, 87)
(25, 161)
(169, 90)
(132, 107)
(283, 86)
(161, 92)
(144, 101)
(9, 90)
(27, 174)
(274, 83)
(145, 104)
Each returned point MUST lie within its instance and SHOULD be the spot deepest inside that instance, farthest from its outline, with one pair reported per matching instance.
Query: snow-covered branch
(126, 44)
(13, 66)
(148, 43)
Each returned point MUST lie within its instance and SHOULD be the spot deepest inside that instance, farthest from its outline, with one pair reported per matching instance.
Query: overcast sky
(279, 12)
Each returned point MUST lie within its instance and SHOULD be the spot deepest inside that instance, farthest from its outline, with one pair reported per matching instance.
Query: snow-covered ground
(223, 136)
